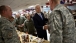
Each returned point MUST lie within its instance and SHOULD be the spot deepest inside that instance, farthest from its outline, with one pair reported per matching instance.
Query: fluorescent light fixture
(20, 10)
(31, 6)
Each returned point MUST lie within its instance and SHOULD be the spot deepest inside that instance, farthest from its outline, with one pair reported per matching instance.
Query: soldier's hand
(19, 25)
(22, 25)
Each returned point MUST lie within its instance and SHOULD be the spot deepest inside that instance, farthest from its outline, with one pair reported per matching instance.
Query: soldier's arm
(1, 38)
(24, 18)
(16, 23)
(55, 28)
(7, 34)
(25, 27)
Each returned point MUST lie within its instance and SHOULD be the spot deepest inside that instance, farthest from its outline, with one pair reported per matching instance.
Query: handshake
(45, 27)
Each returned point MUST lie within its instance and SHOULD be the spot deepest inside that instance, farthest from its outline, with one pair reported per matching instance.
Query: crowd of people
(59, 22)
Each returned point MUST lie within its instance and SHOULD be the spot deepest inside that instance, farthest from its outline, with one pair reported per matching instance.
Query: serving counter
(27, 38)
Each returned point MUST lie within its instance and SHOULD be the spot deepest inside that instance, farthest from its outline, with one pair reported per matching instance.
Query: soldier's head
(38, 8)
(5, 11)
(53, 3)
(17, 15)
(28, 16)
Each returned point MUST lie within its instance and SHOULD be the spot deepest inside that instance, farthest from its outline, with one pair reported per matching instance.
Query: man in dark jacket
(39, 22)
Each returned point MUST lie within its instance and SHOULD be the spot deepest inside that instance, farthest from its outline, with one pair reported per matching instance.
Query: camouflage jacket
(62, 26)
(29, 26)
(8, 33)
(20, 21)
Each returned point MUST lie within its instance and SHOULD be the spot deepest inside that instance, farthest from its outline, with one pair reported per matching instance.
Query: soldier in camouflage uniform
(62, 25)
(19, 22)
(29, 25)
(8, 33)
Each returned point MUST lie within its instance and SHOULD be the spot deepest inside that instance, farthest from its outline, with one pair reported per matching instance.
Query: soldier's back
(62, 26)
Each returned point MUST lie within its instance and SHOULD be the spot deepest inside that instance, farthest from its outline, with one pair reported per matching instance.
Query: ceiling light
(48, 0)
(31, 6)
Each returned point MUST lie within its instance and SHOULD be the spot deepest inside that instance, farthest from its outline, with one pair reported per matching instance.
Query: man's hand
(45, 27)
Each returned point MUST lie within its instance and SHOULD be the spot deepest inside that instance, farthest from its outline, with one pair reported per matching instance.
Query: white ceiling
(21, 4)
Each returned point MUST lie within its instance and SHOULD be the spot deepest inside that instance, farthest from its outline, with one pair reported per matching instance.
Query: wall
(72, 7)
